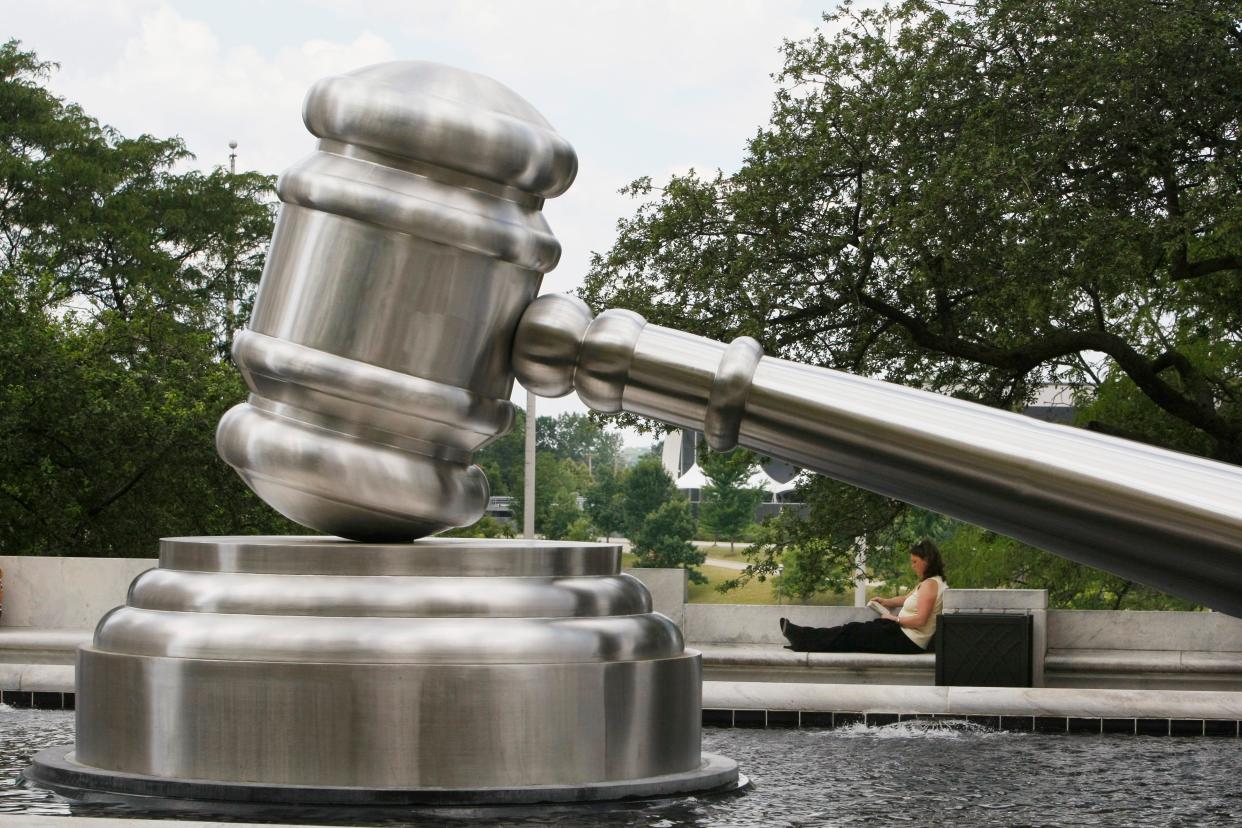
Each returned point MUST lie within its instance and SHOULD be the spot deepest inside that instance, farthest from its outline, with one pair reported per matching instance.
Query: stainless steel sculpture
(318, 670)
(438, 671)
(394, 310)
(1166, 519)
(407, 247)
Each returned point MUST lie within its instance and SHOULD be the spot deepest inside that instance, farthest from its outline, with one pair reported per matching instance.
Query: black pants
(875, 636)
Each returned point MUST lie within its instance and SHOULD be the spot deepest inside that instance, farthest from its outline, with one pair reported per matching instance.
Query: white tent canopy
(695, 479)
(761, 480)
(692, 479)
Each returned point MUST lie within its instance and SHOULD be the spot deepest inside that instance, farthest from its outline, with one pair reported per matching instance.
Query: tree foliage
(578, 437)
(978, 199)
(977, 558)
(647, 488)
(558, 483)
(728, 504)
(605, 501)
(663, 540)
(121, 281)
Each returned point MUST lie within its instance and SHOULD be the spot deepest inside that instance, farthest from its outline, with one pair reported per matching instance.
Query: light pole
(528, 488)
(231, 304)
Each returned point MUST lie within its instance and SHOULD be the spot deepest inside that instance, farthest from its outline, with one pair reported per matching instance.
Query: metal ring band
(319, 555)
(727, 402)
(392, 394)
(443, 175)
(353, 640)
(418, 206)
(386, 596)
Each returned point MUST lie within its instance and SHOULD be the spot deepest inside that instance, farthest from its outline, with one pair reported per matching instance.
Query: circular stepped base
(310, 670)
(55, 768)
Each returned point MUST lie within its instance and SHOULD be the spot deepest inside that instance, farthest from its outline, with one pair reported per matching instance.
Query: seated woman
(910, 631)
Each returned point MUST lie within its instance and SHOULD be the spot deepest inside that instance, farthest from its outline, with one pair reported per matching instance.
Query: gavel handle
(1162, 518)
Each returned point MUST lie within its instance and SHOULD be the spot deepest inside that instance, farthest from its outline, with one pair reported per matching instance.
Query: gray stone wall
(65, 593)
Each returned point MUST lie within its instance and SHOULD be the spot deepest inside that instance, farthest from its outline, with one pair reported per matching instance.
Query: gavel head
(378, 353)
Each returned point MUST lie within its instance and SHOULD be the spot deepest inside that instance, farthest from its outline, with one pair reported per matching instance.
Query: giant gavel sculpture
(397, 305)
(379, 359)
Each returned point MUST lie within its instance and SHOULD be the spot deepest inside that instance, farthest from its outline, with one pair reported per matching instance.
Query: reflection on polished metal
(326, 671)
(387, 670)
(407, 246)
(1159, 517)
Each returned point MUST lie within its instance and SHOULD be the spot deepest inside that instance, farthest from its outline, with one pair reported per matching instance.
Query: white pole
(528, 496)
(860, 573)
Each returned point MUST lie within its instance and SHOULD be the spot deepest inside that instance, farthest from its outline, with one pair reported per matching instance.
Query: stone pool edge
(1042, 709)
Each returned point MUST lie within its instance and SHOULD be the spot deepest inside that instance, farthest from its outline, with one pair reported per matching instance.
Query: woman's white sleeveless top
(922, 635)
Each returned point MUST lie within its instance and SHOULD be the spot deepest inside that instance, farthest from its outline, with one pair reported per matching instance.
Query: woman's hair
(927, 550)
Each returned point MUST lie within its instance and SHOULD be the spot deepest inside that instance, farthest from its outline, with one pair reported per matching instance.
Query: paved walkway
(737, 566)
(709, 544)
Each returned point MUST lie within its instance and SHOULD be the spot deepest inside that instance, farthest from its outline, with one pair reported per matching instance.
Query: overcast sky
(639, 87)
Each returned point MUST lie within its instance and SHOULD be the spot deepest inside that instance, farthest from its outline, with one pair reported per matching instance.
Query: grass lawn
(752, 593)
(722, 552)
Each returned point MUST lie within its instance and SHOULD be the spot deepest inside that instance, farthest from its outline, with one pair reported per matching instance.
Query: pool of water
(920, 773)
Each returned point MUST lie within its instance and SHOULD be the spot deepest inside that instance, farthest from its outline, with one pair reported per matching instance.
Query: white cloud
(173, 77)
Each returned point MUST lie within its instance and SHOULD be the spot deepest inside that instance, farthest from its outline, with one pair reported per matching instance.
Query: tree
(647, 488)
(120, 284)
(975, 558)
(728, 504)
(978, 199)
(663, 540)
(581, 529)
(605, 501)
(557, 486)
(578, 437)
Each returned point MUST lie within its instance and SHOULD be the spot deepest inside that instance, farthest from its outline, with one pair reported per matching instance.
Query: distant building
(500, 508)
(1054, 403)
(680, 451)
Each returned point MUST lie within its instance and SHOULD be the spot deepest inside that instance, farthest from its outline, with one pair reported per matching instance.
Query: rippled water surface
(916, 773)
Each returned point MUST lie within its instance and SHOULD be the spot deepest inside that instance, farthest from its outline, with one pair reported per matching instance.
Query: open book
(879, 609)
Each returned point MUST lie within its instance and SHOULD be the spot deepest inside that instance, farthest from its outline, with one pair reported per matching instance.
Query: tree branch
(1022, 360)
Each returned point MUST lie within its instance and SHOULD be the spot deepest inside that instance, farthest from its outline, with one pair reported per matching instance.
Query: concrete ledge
(748, 655)
(974, 701)
(768, 662)
(40, 645)
(753, 655)
(872, 661)
(1143, 661)
(35, 660)
(995, 600)
(37, 678)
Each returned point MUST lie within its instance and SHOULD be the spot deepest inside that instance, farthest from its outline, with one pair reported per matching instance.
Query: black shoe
(793, 634)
